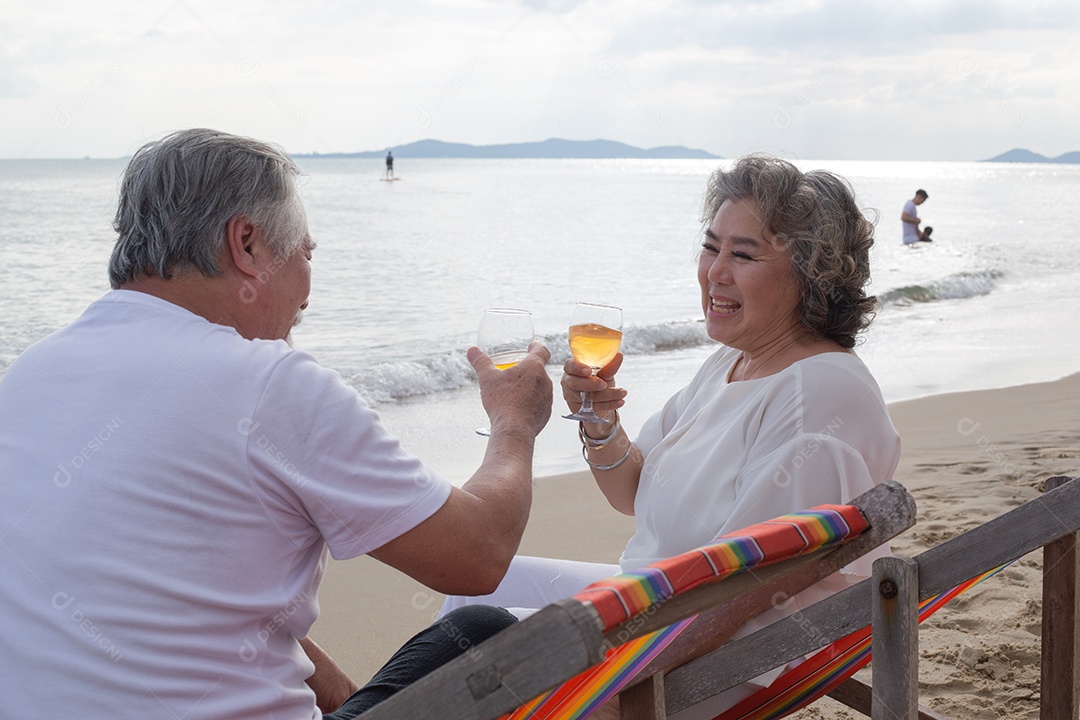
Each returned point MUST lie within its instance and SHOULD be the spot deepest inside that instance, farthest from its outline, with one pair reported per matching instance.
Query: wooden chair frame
(564, 638)
(897, 587)
(1051, 521)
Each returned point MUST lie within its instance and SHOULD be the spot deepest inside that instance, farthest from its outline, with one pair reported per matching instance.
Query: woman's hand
(578, 378)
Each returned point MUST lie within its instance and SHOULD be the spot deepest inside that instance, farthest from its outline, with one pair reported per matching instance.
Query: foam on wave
(451, 370)
(952, 287)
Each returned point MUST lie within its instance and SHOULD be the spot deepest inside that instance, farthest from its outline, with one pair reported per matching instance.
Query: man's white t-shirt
(911, 230)
(170, 491)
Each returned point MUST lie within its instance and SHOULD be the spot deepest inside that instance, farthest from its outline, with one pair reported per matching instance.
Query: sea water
(403, 270)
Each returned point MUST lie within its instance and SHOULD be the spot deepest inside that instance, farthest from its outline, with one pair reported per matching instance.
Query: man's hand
(465, 547)
(519, 396)
(331, 686)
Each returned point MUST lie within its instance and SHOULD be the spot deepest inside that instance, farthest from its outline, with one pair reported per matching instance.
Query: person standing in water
(910, 218)
(389, 164)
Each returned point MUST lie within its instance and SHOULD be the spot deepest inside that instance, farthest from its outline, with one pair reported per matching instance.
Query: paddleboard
(389, 179)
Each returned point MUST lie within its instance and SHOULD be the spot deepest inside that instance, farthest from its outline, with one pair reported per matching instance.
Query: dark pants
(450, 637)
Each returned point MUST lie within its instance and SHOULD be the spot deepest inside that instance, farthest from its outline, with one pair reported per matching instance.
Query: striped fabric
(792, 691)
(832, 665)
(621, 597)
(585, 693)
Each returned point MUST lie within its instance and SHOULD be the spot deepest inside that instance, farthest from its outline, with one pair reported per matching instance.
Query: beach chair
(890, 598)
(570, 636)
(676, 667)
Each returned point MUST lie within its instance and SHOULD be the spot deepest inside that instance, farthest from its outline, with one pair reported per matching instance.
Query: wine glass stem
(586, 403)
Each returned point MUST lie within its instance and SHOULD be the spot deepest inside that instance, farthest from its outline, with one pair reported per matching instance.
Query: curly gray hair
(815, 217)
(179, 193)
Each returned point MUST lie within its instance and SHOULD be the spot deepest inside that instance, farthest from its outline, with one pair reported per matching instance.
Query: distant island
(1026, 156)
(553, 148)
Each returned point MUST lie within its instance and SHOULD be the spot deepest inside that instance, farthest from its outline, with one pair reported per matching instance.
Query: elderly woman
(783, 416)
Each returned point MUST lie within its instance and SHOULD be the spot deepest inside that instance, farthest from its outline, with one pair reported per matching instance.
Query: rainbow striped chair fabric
(570, 656)
(620, 598)
(573, 655)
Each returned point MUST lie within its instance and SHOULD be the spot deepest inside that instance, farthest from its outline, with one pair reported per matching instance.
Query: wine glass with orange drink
(595, 336)
(505, 335)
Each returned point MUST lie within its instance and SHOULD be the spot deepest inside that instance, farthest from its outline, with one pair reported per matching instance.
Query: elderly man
(174, 473)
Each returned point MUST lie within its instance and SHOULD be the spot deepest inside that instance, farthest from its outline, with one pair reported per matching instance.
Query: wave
(640, 340)
(407, 378)
(451, 370)
(952, 287)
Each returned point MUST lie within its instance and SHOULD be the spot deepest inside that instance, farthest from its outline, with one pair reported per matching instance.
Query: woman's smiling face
(749, 294)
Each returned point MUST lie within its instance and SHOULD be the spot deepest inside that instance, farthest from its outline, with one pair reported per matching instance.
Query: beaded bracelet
(612, 466)
(597, 443)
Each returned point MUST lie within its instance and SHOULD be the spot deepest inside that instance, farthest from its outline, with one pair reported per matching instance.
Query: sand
(967, 457)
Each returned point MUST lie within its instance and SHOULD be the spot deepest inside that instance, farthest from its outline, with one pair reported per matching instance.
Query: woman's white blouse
(722, 455)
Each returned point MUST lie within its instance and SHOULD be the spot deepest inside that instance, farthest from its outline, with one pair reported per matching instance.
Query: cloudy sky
(831, 79)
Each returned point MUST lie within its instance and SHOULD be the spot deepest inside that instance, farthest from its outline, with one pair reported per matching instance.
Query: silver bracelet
(596, 443)
(612, 466)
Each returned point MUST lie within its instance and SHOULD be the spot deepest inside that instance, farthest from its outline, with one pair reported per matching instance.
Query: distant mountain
(1026, 156)
(553, 148)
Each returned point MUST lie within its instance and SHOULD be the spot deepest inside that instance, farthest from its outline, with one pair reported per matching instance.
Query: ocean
(403, 270)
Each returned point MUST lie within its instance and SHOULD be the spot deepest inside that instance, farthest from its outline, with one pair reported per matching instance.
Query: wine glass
(595, 336)
(505, 335)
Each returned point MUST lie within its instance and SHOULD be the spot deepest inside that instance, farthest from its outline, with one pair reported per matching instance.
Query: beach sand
(967, 457)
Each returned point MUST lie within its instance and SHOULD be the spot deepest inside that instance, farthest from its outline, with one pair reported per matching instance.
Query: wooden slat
(854, 693)
(511, 668)
(644, 701)
(858, 696)
(895, 614)
(1060, 666)
(1003, 539)
(890, 510)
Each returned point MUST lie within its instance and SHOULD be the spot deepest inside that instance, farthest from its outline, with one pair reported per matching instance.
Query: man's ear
(245, 244)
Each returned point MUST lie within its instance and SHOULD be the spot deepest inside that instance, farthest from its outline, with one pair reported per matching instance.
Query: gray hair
(815, 217)
(179, 193)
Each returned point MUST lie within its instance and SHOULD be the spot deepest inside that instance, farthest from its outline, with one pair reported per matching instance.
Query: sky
(832, 79)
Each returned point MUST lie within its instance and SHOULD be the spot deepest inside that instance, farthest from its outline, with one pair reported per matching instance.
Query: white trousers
(533, 582)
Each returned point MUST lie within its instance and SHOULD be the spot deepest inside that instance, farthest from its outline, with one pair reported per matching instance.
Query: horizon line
(375, 154)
